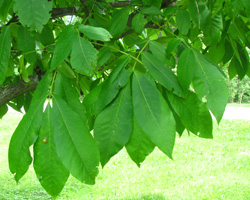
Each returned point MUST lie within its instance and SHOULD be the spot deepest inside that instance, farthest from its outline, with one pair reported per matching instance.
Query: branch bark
(13, 91)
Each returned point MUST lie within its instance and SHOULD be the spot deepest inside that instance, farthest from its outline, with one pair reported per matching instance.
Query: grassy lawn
(201, 169)
(238, 105)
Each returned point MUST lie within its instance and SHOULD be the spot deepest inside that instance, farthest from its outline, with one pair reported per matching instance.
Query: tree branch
(13, 91)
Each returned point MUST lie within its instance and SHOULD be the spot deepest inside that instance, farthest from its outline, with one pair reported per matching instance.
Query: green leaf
(33, 13)
(156, 3)
(103, 56)
(64, 45)
(3, 110)
(158, 50)
(75, 146)
(48, 167)
(95, 33)
(139, 145)
(83, 57)
(186, 68)
(26, 43)
(5, 47)
(138, 23)
(246, 4)
(119, 22)
(193, 114)
(152, 10)
(172, 45)
(73, 98)
(183, 21)
(113, 126)
(152, 113)
(46, 37)
(213, 29)
(26, 132)
(208, 81)
(4, 9)
(161, 72)
(110, 88)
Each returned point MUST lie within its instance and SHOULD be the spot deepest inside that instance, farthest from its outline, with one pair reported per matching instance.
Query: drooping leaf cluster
(115, 74)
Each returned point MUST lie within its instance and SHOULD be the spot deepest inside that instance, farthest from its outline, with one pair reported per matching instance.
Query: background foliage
(117, 74)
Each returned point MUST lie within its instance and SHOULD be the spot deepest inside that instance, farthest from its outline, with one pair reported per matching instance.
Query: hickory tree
(96, 76)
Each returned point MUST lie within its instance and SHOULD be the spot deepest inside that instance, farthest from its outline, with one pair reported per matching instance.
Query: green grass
(238, 105)
(201, 169)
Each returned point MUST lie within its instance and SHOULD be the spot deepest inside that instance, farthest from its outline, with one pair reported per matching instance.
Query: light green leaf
(186, 68)
(113, 126)
(75, 146)
(26, 132)
(119, 21)
(83, 57)
(161, 72)
(152, 113)
(183, 21)
(110, 88)
(5, 47)
(95, 33)
(193, 114)
(208, 81)
(138, 23)
(64, 45)
(139, 145)
(26, 43)
(48, 167)
(33, 13)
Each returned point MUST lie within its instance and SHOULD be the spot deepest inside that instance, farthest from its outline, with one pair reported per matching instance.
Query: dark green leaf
(110, 88)
(64, 45)
(4, 9)
(46, 37)
(103, 56)
(3, 110)
(75, 146)
(161, 72)
(138, 23)
(213, 29)
(193, 114)
(183, 21)
(33, 14)
(152, 113)
(152, 10)
(48, 167)
(119, 21)
(26, 43)
(26, 133)
(139, 145)
(83, 57)
(95, 33)
(156, 3)
(113, 126)
(186, 68)
(5, 46)
(158, 51)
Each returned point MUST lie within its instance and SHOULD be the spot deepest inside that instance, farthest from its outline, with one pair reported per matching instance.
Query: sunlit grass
(201, 169)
